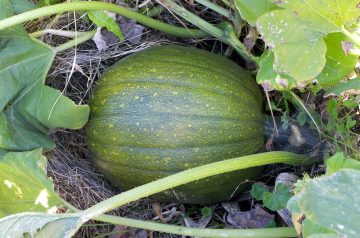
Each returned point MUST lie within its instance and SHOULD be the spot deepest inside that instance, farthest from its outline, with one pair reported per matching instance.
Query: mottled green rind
(171, 108)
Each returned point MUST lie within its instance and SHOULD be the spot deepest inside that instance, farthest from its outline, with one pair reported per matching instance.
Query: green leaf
(296, 33)
(301, 118)
(323, 236)
(339, 161)
(23, 181)
(350, 86)
(310, 228)
(332, 202)
(351, 104)
(269, 78)
(21, 6)
(250, 11)
(338, 64)
(39, 225)
(28, 108)
(103, 20)
(258, 190)
(277, 200)
(206, 211)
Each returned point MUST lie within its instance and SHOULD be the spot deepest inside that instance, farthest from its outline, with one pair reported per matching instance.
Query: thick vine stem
(193, 175)
(187, 231)
(226, 33)
(200, 232)
(81, 6)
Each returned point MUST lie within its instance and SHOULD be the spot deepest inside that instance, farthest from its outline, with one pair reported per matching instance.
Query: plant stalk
(83, 5)
(186, 231)
(69, 34)
(199, 232)
(226, 33)
(85, 36)
(193, 175)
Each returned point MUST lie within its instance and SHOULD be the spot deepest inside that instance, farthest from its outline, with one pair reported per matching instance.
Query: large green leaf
(296, 33)
(331, 202)
(28, 108)
(252, 10)
(39, 225)
(21, 6)
(24, 185)
(338, 64)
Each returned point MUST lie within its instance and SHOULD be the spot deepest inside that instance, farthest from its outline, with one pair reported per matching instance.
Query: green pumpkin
(170, 108)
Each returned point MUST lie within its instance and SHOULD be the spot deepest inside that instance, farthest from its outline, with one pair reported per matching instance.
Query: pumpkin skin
(170, 108)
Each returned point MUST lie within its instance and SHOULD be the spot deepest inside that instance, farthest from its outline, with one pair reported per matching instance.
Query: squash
(170, 108)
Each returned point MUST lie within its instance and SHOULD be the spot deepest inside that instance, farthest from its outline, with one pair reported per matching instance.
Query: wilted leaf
(296, 33)
(130, 29)
(250, 11)
(255, 218)
(28, 108)
(24, 185)
(101, 19)
(331, 202)
(39, 225)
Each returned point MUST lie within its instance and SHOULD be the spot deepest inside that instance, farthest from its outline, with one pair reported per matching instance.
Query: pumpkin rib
(137, 146)
(163, 83)
(196, 56)
(190, 116)
(160, 164)
(248, 82)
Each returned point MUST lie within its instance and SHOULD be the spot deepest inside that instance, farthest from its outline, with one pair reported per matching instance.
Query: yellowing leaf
(24, 185)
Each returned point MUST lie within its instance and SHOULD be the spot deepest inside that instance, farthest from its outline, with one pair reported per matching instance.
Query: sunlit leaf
(296, 33)
(270, 79)
(39, 225)
(24, 185)
(331, 202)
(338, 64)
(309, 228)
